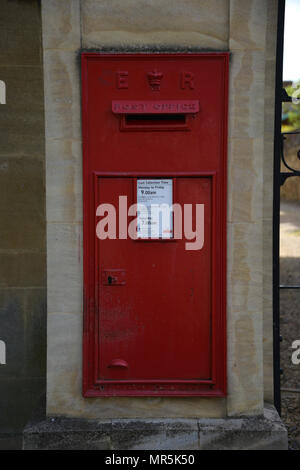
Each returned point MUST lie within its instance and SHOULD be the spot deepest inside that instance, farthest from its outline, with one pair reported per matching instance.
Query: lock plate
(113, 277)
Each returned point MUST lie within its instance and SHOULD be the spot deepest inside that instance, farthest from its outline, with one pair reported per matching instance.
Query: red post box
(154, 135)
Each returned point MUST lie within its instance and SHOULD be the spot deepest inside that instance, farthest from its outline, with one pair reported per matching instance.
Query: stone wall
(247, 29)
(22, 209)
(268, 162)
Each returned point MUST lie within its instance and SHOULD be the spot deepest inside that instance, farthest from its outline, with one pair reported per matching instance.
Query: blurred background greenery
(290, 111)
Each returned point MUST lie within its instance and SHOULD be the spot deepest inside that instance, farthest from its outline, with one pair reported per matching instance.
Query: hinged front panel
(154, 137)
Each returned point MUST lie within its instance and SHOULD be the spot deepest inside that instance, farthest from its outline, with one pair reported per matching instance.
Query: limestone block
(246, 94)
(268, 309)
(258, 432)
(64, 268)
(245, 385)
(64, 368)
(268, 177)
(22, 204)
(248, 21)
(66, 399)
(61, 24)
(62, 94)
(270, 73)
(112, 23)
(64, 343)
(244, 296)
(244, 319)
(244, 256)
(64, 180)
(244, 353)
(22, 117)
(268, 252)
(155, 434)
(245, 180)
(265, 432)
(271, 36)
(22, 269)
(16, 408)
(20, 27)
(161, 24)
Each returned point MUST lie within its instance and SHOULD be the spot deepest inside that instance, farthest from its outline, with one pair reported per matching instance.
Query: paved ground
(290, 316)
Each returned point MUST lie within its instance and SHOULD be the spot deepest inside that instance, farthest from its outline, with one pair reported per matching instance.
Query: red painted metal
(158, 326)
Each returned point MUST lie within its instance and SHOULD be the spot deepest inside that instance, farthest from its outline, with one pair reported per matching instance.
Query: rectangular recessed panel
(159, 323)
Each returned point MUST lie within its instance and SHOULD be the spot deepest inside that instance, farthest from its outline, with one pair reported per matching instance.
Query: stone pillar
(247, 29)
(22, 209)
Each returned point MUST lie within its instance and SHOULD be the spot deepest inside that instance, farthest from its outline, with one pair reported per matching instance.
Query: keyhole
(109, 280)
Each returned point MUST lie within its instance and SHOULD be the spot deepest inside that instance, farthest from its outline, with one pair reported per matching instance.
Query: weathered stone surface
(66, 400)
(155, 434)
(16, 141)
(264, 432)
(20, 182)
(22, 208)
(61, 24)
(35, 332)
(244, 296)
(24, 92)
(245, 391)
(22, 212)
(22, 117)
(23, 231)
(270, 68)
(242, 439)
(23, 329)
(18, 397)
(248, 21)
(22, 269)
(64, 339)
(12, 310)
(20, 32)
(245, 252)
(64, 180)
(246, 180)
(113, 23)
(244, 327)
(244, 324)
(268, 180)
(62, 97)
(64, 268)
(271, 37)
(246, 94)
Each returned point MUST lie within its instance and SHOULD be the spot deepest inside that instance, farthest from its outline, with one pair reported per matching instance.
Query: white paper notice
(155, 199)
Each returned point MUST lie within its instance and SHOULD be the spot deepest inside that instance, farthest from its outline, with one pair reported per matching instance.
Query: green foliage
(291, 112)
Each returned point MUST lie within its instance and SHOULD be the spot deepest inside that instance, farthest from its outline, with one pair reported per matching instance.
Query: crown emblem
(154, 79)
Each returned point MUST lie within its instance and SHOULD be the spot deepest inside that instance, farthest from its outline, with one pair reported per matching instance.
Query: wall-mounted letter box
(154, 181)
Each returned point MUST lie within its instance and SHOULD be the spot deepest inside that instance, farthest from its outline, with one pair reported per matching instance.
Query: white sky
(291, 55)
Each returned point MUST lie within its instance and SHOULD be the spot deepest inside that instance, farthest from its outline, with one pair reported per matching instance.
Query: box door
(155, 311)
